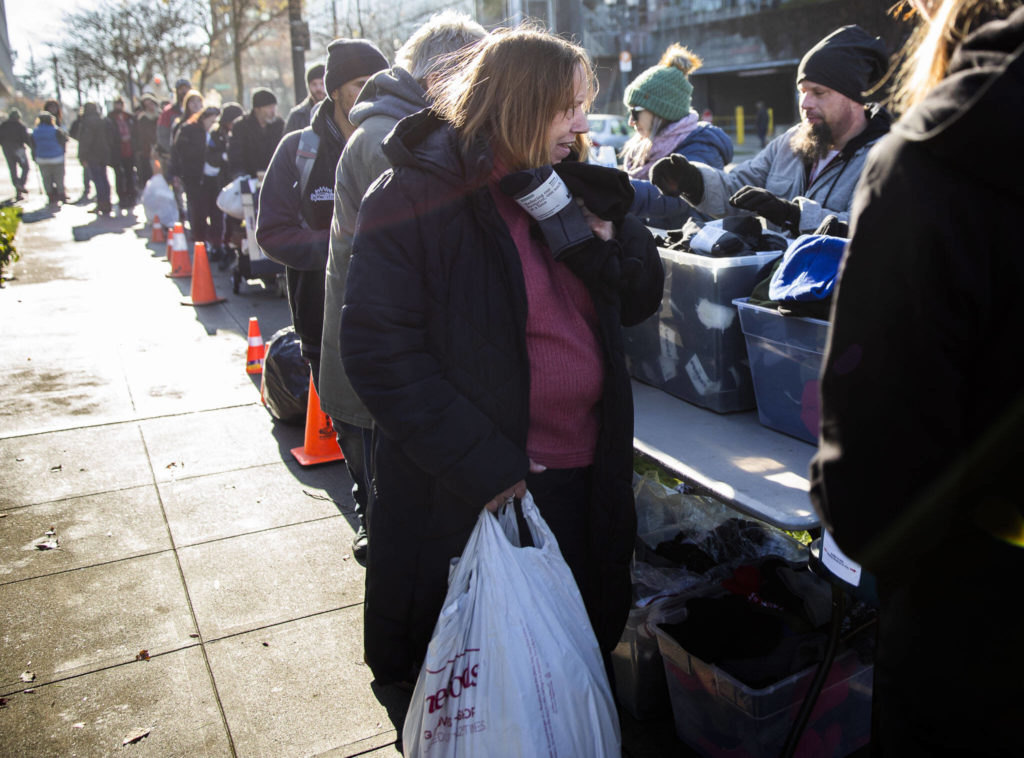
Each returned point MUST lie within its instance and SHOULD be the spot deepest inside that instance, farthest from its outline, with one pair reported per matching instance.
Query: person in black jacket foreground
(917, 472)
(490, 365)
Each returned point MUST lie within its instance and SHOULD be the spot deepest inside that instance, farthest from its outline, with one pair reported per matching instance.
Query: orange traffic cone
(158, 234)
(203, 292)
(181, 264)
(320, 446)
(254, 357)
(176, 239)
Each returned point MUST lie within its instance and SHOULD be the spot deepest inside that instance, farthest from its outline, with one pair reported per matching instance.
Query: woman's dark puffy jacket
(433, 340)
(188, 154)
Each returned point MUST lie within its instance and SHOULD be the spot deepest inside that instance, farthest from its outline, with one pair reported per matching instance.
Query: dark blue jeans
(17, 163)
(98, 174)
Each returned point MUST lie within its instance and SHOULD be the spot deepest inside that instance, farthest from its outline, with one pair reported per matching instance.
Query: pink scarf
(664, 143)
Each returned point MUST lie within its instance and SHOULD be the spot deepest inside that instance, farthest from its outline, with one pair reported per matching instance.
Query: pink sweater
(566, 364)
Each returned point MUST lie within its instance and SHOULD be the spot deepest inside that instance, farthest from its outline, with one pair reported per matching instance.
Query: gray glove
(543, 194)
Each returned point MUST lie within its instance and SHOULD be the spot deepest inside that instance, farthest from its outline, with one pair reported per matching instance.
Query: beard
(812, 142)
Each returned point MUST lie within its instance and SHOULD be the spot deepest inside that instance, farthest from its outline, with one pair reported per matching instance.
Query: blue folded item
(808, 269)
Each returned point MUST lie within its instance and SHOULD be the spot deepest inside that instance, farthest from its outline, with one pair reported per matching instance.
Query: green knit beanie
(665, 89)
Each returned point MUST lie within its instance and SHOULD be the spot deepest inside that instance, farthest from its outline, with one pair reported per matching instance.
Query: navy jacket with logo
(294, 223)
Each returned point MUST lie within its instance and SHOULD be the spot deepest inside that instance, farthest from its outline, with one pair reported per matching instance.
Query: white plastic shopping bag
(158, 200)
(513, 668)
(229, 199)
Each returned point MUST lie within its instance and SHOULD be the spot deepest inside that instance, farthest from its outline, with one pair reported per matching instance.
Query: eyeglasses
(635, 111)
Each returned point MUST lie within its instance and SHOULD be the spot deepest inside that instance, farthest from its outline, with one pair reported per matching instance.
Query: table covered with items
(729, 626)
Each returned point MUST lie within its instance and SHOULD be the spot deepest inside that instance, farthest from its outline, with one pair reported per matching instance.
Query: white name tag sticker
(837, 562)
(548, 199)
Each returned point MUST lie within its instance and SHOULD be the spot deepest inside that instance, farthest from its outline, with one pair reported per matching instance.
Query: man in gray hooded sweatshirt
(385, 99)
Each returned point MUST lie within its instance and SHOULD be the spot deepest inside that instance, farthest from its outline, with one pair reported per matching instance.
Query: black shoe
(214, 254)
(360, 544)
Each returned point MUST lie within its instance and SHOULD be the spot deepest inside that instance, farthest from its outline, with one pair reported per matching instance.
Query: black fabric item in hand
(773, 208)
(675, 176)
(831, 226)
(606, 192)
(543, 194)
(597, 264)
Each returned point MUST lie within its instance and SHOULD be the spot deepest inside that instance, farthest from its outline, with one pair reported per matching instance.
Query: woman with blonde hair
(915, 402)
(661, 112)
(489, 363)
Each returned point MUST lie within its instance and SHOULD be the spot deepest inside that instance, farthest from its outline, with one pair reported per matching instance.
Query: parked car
(609, 129)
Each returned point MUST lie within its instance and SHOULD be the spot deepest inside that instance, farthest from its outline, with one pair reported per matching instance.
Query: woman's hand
(602, 229)
(516, 490)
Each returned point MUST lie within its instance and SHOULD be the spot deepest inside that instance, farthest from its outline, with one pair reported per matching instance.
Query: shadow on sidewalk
(103, 225)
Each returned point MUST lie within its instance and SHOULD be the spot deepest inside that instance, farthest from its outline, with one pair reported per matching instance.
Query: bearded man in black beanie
(297, 204)
(810, 171)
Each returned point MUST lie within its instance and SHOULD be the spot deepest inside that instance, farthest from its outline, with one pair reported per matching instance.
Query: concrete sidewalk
(203, 590)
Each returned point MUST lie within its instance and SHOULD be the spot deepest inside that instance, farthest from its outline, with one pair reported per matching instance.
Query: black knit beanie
(261, 97)
(849, 60)
(230, 112)
(315, 72)
(349, 59)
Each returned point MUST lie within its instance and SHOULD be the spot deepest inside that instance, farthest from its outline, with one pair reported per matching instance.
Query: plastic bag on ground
(286, 378)
(513, 667)
(158, 200)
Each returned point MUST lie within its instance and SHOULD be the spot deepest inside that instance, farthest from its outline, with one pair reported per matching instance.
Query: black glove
(606, 192)
(777, 211)
(542, 194)
(597, 264)
(675, 176)
(833, 227)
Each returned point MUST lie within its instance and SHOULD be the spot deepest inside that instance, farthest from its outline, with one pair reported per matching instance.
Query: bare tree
(236, 25)
(126, 44)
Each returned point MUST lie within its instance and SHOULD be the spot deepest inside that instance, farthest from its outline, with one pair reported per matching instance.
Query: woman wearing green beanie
(661, 112)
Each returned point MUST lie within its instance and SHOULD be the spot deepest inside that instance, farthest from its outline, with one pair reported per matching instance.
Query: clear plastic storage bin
(693, 346)
(719, 716)
(785, 361)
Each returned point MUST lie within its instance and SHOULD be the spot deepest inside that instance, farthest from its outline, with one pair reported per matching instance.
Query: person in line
(387, 97)
(661, 112)
(215, 177)
(488, 366)
(255, 136)
(188, 158)
(144, 137)
(48, 141)
(94, 152)
(75, 131)
(52, 107)
(300, 116)
(170, 113)
(14, 138)
(917, 472)
(810, 171)
(297, 196)
(761, 123)
(122, 152)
